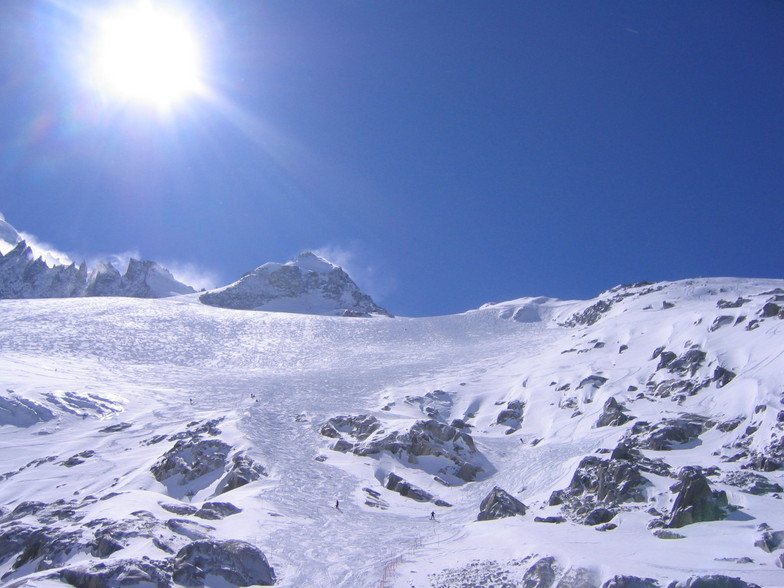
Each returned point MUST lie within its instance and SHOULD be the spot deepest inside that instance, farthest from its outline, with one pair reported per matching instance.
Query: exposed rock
(552, 520)
(236, 562)
(243, 471)
(43, 547)
(578, 578)
(425, 438)
(751, 482)
(189, 460)
(117, 573)
(613, 414)
(397, 484)
(644, 464)
(667, 534)
(696, 502)
(541, 574)
(630, 582)
(512, 415)
(721, 321)
(18, 411)
(308, 284)
(722, 376)
(499, 504)
(667, 434)
(599, 516)
(217, 510)
(359, 427)
(181, 509)
(712, 581)
(770, 541)
(770, 310)
(190, 529)
(116, 428)
(737, 304)
(595, 381)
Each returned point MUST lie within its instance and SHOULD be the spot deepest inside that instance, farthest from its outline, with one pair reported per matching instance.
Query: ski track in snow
(165, 363)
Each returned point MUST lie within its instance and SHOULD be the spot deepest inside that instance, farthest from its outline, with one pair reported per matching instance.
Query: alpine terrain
(161, 437)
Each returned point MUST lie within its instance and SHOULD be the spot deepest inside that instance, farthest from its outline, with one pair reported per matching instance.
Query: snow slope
(99, 390)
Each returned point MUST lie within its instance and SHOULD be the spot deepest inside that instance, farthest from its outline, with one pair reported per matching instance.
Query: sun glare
(147, 52)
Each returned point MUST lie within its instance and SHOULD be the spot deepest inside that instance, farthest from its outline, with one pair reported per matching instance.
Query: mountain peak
(308, 284)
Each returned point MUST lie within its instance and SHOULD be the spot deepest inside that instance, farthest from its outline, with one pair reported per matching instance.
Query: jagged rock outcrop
(499, 504)
(630, 582)
(541, 574)
(613, 414)
(511, 416)
(234, 562)
(667, 434)
(712, 581)
(696, 502)
(117, 574)
(429, 438)
(600, 485)
(397, 484)
(189, 460)
(243, 471)
(22, 275)
(308, 284)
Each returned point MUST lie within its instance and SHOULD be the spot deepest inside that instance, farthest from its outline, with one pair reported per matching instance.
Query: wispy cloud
(41, 249)
(357, 262)
(192, 274)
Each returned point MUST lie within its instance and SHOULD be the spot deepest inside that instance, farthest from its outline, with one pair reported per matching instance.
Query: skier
(337, 504)
(432, 515)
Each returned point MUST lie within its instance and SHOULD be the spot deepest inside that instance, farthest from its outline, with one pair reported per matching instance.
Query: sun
(147, 52)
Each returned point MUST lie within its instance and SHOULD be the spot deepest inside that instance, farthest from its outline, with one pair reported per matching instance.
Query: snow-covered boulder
(308, 284)
(499, 504)
(231, 562)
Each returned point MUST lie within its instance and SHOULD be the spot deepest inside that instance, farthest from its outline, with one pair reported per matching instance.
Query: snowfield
(112, 405)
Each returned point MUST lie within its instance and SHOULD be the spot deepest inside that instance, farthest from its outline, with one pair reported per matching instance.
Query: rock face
(117, 573)
(308, 284)
(613, 414)
(499, 504)
(22, 275)
(667, 434)
(236, 562)
(696, 502)
(364, 435)
(598, 486)
(712, 581)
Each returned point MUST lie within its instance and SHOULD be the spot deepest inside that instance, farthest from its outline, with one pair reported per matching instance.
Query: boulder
(578, 578)
(243, 471)
(216, 510)
(667, 434)
(696, 502)
(630, 582)
(541, 574)
(770, 541)
(117, 574)
(190, 459)
(712, 581)
(235, 562)
(613, 414)
(397, 484)
(499, 504)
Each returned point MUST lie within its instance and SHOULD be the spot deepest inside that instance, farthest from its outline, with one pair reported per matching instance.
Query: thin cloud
(194, 275)
(365, 272)
(41, 249)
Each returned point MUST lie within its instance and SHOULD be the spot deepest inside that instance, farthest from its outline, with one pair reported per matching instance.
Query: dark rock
(360, 427)
(594, 381)
(552, 520)
(613, 481)
(499, 504)
(179, 509)
(770, 541)
(190, 529)
(397, 484)
(116, 428)
(190, 459)
(696, 502)
(236, 562)
(217, 510)
(243, 471)
(512, 415)
(613, 414)
(667, 434)
(644, 464)
(667, 534)
(79, 458)
(117, 574)
(577, 578)
(770, 310)
(721, 321)
(722, 376)
(726, 304)
(730, 425)
(752, 483)
(607, 527)
(599, 516)
(630, 582)
(541, 574)
(712, 581)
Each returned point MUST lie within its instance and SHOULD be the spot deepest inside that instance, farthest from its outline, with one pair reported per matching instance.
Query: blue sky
(448, 153)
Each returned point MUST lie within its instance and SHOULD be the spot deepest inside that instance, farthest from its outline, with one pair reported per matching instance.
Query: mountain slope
(589, 412)
(308, 284)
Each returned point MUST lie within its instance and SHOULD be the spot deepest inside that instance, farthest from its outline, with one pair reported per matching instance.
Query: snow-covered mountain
(28, 272)
(308, 284)
(636, 439)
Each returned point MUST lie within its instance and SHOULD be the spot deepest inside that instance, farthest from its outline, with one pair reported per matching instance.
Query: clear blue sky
(453, 152)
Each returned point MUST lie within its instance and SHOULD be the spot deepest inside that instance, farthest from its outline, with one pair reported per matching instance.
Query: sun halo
(147, 52)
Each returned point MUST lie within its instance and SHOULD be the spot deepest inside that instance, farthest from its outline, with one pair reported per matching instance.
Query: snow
(81, 365)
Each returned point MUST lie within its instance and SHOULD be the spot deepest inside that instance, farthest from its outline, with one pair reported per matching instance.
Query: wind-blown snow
(75, 367)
